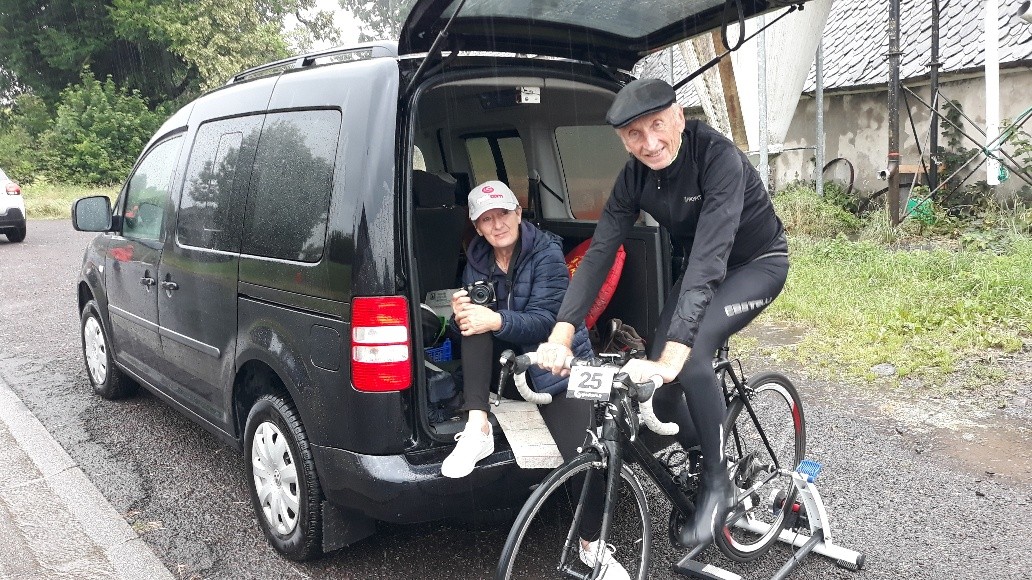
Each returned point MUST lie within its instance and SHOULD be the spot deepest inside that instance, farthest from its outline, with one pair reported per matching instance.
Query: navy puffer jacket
(530, 301)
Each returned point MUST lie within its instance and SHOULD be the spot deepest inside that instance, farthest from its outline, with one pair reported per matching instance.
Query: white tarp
(791, 46)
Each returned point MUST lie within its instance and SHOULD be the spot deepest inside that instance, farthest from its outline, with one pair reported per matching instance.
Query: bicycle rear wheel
(762, 470)
(543, 542)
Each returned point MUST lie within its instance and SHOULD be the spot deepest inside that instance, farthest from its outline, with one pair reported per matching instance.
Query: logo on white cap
(491, 195)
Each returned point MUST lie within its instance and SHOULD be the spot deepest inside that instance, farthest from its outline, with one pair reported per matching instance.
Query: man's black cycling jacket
(712, 202)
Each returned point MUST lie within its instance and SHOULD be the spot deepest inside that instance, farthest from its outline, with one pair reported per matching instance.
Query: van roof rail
(361, 51)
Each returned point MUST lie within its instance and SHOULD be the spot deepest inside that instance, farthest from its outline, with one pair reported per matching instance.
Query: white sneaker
(473, 445)
(611, 569)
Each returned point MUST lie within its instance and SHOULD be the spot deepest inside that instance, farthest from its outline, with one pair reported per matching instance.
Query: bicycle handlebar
(641, 392)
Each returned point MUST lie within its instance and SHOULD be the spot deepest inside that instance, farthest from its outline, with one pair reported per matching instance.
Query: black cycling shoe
(711, 510)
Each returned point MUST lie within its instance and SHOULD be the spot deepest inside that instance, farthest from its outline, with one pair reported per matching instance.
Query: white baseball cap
(491, 195)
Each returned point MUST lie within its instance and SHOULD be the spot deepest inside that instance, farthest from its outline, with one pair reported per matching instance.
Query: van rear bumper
(394, 489)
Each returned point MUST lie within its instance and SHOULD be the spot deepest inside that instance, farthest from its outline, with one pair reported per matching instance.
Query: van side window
(147, 195)
(289, 197)
(591, 157)
(499, 156)
(211, 208)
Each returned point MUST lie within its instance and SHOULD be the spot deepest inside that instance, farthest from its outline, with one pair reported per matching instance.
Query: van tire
(289, 509)
(104, 375)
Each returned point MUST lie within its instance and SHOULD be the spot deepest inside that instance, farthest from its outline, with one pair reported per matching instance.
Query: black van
(265, 262)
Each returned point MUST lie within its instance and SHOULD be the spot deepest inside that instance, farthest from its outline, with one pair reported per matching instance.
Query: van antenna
(742, 39)
(435, 49)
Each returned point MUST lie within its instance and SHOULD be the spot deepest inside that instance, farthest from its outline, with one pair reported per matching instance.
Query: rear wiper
(728, 49)
(435, 49)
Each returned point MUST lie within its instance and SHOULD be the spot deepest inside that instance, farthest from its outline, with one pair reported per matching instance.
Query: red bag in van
(573, 260)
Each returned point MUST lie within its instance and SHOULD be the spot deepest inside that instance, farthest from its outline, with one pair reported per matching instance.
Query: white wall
(856, 127)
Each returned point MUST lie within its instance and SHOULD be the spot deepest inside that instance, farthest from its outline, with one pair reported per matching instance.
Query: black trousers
(698, 406)
(567, 419)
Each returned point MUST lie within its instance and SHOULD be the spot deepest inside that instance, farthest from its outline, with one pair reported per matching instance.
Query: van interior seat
(439, 224)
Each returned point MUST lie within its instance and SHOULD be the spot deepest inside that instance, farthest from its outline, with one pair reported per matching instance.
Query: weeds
(45, 200)
(804, 213)
(931, 300)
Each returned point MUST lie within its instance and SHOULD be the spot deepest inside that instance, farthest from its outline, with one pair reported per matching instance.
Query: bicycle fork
(614, 459)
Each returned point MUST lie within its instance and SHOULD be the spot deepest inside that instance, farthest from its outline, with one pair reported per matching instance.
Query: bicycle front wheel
(763, 450)
(544, 540)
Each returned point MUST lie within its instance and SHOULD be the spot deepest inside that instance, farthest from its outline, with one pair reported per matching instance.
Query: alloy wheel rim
(275, 478)
(95, 350)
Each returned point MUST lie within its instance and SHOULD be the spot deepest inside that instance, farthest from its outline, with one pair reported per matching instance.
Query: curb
(97, 519)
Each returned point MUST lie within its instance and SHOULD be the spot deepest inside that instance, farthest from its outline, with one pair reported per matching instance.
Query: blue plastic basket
(439, 353)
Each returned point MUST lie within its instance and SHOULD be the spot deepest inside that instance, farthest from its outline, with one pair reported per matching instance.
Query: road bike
(765, 440)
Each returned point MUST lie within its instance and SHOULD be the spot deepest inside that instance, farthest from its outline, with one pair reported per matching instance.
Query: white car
(12, 209)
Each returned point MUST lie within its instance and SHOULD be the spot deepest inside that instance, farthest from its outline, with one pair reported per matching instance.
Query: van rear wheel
(284, 488)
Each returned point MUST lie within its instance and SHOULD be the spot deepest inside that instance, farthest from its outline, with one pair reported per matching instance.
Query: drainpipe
(892, 168)
(933, 130)
(819, 94)
(992, 88)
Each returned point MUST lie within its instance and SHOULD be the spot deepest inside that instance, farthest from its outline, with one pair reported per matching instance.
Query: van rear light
(12, 188)
(381, 350)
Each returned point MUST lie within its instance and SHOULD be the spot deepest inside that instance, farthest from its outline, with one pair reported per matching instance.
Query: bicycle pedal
(810, 468)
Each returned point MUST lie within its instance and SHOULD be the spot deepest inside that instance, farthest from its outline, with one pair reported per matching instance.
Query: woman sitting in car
(518, 277)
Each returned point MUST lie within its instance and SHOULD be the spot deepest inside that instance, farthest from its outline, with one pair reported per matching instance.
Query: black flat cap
(638, 98)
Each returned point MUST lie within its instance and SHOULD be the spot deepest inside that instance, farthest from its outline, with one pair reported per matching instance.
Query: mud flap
(342, 527)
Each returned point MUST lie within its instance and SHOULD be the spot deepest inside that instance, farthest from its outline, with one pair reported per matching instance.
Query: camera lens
(480, 295)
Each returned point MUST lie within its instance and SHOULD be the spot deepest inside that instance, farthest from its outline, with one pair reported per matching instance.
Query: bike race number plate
(590, 383)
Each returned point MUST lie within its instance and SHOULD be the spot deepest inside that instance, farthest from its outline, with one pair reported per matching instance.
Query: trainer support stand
(818, 540)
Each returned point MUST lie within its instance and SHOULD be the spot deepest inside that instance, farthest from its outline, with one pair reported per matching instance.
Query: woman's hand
(458, 300)
(475, 319)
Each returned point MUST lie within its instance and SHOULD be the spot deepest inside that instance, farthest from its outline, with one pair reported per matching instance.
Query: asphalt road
(912, 495)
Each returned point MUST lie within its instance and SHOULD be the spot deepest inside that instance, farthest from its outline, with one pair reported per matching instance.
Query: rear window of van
(289, 196)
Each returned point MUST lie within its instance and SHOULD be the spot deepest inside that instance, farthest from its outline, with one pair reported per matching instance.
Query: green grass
(54, 201)
(923, 311)
(940, 303)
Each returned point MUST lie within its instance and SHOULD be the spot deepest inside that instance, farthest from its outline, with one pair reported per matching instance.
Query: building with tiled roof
(855, 79)
(856, 40)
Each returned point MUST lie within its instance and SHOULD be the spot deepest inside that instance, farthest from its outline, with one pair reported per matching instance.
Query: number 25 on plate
(590, 383)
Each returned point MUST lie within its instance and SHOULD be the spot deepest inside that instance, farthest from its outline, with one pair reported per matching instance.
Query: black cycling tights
(567, 419)
(743, 294)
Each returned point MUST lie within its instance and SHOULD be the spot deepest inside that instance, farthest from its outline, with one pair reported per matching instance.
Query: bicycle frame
(619, 437)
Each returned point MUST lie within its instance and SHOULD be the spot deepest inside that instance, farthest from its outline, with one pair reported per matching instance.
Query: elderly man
(704, 191)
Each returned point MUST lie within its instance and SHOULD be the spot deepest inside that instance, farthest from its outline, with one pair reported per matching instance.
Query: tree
(45, 44)
(21, 125)
(97, 133)
(381, 19)
(219, 38)
(166, 49)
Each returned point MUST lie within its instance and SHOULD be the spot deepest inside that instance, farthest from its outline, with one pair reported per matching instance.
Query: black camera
(481, 292)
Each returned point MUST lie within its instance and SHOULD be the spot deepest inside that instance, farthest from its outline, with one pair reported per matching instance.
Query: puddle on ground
(982, 441)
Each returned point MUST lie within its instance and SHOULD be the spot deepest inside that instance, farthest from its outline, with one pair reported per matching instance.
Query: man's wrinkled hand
(552, 357)
(641, 370)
